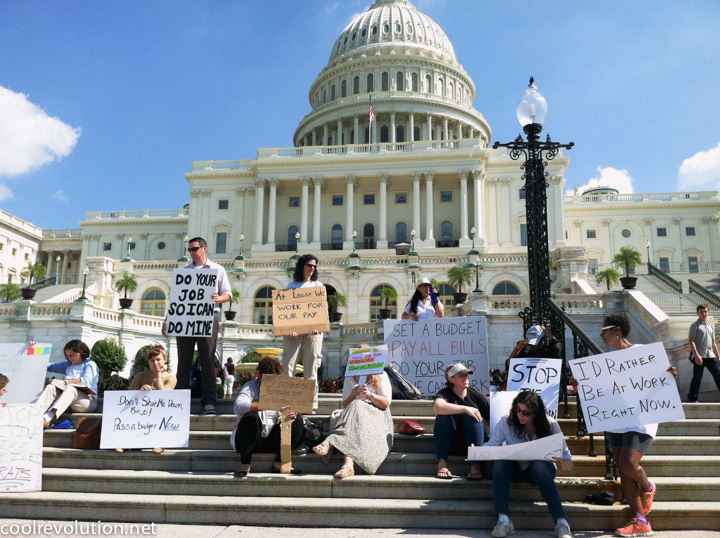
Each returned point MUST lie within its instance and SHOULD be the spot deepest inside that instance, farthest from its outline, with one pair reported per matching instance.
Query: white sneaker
(562, 530)
(503, 529)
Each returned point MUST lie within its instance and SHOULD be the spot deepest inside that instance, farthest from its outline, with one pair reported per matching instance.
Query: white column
(317, 181)
(556, 202)
(239, 215)
(462, 175)
(349, 208)
(459, 130)
(356, 130)
(272, 202)
(314, 138)
(325, 135)
(429, 127)
(411, 124)
(259, 208)
(678, 233)
(429, 176)
(304, 201)
(479, 197)
(339, 133)
(382, 233)
(393, 138)
(505, 205)
(416, 203)
(492, 211)
(446, 132)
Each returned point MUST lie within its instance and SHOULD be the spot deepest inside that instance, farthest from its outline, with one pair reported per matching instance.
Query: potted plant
(33, 270)
(109, 355)
(334, 301)
(234, 298)
(628, 258)
(9, 292)
(126, 284)
(459, 276)
(608, 276)
(387, 295)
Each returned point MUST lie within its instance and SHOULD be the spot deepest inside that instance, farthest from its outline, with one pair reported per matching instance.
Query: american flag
(372, 114)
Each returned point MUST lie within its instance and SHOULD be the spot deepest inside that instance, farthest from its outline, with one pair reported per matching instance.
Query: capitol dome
(404, 60)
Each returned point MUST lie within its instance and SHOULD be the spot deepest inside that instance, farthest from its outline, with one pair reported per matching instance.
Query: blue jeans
(541, 473)
(446, 428)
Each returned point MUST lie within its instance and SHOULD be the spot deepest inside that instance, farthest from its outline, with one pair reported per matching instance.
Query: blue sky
(103, 105)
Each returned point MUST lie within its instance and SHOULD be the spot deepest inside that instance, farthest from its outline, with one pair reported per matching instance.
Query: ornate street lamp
(354, 234)
(474, 257)
(412, 242)
(297, 247)
(240, 256)
(531, 111)
(127, 258)
(85, 274)
(184, 257)
(57, 269)
(647, 245)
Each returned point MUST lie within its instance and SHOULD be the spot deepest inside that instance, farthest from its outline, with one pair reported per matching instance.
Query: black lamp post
(531, 111)
(85, 274)
(647, 245)
(474, 256)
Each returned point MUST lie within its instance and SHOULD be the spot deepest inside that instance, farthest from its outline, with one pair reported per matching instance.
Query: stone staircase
(195, 485)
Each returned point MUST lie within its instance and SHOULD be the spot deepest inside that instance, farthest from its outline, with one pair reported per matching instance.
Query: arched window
(385, 82)
(505, 288)
(352, 136)
(428, 84)
(400, 134)
(368, 236)
(446, 294)
(370, 83)
(446, 234)
(336, 237)
(400, 81)
(384, 134)
(153, 302)
(332, 93)
(401, 232)
(262, 308)
(414, 82)
(292, 241)
(324, 96)
(416, 133)
(356, 85)
(451, 90)
(376, 303)
(343, 89)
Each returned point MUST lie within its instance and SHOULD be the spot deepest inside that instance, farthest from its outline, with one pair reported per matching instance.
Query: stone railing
(369, 329)
(149, 214)
(154, 266)
(68, 233)
(670, 197)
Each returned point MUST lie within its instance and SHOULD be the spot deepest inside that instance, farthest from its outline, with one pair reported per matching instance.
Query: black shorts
(638, 441)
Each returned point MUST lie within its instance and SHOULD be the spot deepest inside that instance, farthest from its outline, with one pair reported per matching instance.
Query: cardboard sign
(278, 391)
(300, 310)
(422, 350)
(500, 405)
(626, 388)
(538, 375)
(26, 367)
(546, 448)
(191, 309)
(21, 439)
(366, 360)
(145, 419)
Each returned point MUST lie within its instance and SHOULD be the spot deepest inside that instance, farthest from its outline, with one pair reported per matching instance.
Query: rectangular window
(446, 196)
(27, 257)
(2, 247)
(369, 199)
(664, 264)
(221, 243)
(662, 232)
(401, 198)
(294, 201)
(693, 264)
(223, 204)
(592, 266)
(521, 192)
(591, 234)
(690, 231)
(14, 252)
(107, 246)
(523, 235)
(337, 199)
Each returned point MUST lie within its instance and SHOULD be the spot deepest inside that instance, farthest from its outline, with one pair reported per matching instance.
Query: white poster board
(145, 419)
(191, 309)
(546, 449)
(366, 360)
(500, 405)
(422, 350)
(21, 439)
(26, 367)
(626, 388)
(538, 375)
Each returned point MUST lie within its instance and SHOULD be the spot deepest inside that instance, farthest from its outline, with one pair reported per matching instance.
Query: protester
(259, 431)
(628, 445)
(229, 381)
(539, 342)
(78, 389)
(197, 247)
(309, 346)
(424, 303)
(459, 410)
(527, 421)
(364, 430)
(3, 384)
(703, 352)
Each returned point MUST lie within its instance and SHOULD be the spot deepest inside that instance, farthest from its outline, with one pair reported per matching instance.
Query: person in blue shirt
(78, 389)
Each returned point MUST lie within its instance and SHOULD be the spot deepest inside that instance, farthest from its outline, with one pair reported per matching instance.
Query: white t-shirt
(425, 309)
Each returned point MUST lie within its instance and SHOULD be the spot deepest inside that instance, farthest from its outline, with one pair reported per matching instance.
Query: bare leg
(632, 476)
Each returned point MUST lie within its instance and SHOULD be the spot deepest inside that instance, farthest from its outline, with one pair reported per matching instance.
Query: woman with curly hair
(527, 421)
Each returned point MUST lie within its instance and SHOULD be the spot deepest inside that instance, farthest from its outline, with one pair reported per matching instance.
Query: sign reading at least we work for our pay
(366, 360)
(422, 350)
(191, 309)
(300, 310)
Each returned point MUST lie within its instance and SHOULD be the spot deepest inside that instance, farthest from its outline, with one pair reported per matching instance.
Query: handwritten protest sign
(26, 367)
(539, 375)
(278, 391)
(546, 448)
(422, 350)
(300, 310)
(366, 360)
(145, 419)
(626, 388)
(21, 439)
(500, 405)
(191, 309)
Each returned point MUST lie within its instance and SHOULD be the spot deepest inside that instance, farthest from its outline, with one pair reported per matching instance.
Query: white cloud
(702, 170)
(609, 177)
(5, 193)
(60, 195)
(29, 138)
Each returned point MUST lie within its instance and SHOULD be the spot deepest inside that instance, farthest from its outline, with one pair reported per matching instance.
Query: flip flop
(344, 472)
(444, 474)
(475, 476)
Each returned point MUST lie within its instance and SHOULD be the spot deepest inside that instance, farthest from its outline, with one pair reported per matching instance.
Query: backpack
(402, 389)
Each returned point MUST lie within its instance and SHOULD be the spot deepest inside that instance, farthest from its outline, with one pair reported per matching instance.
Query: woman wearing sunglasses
(527, 421)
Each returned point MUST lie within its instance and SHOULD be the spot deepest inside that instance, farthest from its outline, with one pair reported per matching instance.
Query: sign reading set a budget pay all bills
(191, 309)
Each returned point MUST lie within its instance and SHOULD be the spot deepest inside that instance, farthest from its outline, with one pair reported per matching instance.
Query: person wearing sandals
(156, 378)
(364, 430)
(527, 421)
(259, 431)
(459, 412)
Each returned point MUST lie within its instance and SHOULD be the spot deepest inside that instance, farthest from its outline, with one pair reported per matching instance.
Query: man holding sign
(197, 247)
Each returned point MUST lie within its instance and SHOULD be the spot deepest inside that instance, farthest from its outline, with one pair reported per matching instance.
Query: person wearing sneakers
(527, 421)
(703, 352)
(459, 412)
(630, 444)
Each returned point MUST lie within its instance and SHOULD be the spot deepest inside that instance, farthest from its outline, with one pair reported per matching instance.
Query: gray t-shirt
(704, 335)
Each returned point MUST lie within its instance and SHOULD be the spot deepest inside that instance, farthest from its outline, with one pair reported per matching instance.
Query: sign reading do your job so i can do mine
(191, 309)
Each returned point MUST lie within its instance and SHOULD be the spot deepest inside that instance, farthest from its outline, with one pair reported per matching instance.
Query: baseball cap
(457, 368)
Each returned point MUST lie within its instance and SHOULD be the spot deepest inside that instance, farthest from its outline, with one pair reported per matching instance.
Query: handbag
(87, 433)
(408, 427)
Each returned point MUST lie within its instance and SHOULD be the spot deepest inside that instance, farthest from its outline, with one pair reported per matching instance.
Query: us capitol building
(381, 204)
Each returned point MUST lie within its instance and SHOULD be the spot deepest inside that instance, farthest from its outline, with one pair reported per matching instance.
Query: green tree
(109, 355)
(9, 292)
(459, 276)
(235, 297)
(608, 277)
(628, 258)
(388, 294)
(126, 284)
(336, 300)
(33, 271)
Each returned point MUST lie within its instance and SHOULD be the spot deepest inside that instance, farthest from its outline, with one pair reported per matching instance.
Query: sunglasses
(194, 249)
(607, 327)
(310, 265)
(524, 412)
